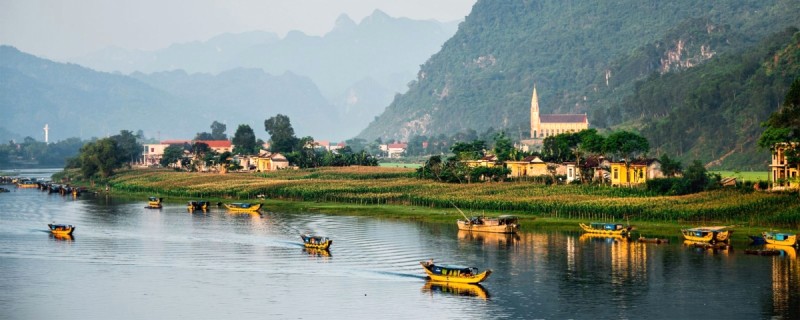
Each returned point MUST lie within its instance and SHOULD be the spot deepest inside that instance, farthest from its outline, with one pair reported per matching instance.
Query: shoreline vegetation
(395, 193)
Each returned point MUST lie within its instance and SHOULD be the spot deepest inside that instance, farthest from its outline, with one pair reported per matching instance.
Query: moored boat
(243, 207)
(652, 240)
(708, 234)
(27, 184)
(452, 273)
(61, 229)
(607, 228)
(316, 242)
(154, 203)
(197, 205)
(777, 238)
(501, 224)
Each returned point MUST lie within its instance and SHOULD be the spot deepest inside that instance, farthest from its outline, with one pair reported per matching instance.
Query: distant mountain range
(79, 102)
(331, 86)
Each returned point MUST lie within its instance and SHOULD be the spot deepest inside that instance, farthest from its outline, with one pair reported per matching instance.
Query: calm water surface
(128, 262)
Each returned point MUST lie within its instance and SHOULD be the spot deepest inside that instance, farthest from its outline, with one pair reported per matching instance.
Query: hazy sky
(60, 29)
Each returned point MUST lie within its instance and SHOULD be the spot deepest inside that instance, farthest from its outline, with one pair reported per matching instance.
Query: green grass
(743, 176)
(400, 165)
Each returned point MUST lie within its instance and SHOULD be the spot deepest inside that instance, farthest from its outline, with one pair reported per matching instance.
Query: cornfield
(378, 186)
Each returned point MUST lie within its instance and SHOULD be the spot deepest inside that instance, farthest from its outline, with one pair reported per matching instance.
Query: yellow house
(489, 161)
(635, 173)
(783, 176)
(531, 166)
(271, 162)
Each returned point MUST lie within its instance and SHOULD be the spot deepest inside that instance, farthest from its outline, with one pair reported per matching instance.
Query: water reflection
(317, 252)
(62, 237)
(457, 289)
(706, 247)
(501, 240)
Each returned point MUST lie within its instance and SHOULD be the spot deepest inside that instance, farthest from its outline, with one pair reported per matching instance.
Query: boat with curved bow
(778, 238)
(454, 273)
(316, 242)
(61, 229)
(611, 229)
(243, 207)
(708, 234)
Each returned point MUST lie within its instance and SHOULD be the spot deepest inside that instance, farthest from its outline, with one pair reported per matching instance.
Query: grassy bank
(751, 176)
(395, 193)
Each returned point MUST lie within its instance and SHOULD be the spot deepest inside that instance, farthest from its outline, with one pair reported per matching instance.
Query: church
(546, 125)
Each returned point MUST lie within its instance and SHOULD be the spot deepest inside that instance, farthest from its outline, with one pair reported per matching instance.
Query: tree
(626, 145)
(469, 151)
(218, 131)
(281, 134)
(101, 156)
(129, 148)
(244, 140)
(172, 154)
(670, 167)
(503, 147)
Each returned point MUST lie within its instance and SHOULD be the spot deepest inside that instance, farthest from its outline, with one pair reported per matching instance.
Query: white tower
(46, 132)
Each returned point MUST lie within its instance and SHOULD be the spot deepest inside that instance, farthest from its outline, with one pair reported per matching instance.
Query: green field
(395, 192)
(742, 176)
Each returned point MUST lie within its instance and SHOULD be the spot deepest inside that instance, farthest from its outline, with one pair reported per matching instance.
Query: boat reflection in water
(317, 252)
(785, 279)
(499, 239)
(786, 251)
(704, 246)
(458, 289)
(62, 237)
(602, 237)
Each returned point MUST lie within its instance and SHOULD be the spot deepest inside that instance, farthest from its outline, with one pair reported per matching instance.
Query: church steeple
(535, 121)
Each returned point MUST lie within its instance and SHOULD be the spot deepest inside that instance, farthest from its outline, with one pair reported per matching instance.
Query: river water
(128, 262)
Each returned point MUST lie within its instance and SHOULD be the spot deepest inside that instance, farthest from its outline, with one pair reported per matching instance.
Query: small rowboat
(197, 205)
(61, 229)
(607, 228)
(501, 224)
(782, 239)
(243, 207)
(653, 240)
(316, 242)
(154, 203)
(707, 234)
(450, 273)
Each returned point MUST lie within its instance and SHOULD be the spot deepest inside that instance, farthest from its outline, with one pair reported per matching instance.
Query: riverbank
(394, 193)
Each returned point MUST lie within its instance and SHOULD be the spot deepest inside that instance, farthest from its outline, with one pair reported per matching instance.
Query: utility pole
(46, 133)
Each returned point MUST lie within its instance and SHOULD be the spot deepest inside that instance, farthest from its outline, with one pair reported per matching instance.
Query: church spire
(535, 121)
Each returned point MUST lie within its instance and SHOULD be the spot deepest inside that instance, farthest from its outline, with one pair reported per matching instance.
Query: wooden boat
(451, 273)
(4, 190)
(757, 239)
(456, 288)
(501, 224)
(154, 203)
(61, 229)
(316, 242)
(607, 228)
(27, 184)
(777, 238)
(243, 207)
(653, 240)
(707, 234)
(197, 205)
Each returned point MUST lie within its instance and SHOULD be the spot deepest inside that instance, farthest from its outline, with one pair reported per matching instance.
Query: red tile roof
(563, 118)
(397, 146)
(216, 143)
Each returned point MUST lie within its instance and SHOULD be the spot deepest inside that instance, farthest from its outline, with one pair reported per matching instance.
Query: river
(128, 262)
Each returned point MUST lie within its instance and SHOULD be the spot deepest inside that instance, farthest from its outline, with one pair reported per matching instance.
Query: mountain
(79, 102)
(583, 57)
(358, 67)
(250, 96)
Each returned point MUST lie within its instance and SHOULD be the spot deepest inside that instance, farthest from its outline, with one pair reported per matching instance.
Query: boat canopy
(153, 199)
(606, 226)
(708, 229)
(449, 269)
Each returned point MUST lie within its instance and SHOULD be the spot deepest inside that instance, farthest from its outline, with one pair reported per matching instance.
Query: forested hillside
(583, 56)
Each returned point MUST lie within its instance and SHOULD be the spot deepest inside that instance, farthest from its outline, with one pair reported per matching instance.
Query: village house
(488, 161)
(631, 174)
(782, 175)
(267, 161)
(394, 150)
(531, 166)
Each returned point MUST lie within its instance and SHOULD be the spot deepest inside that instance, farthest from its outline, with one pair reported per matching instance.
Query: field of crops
(397, 186)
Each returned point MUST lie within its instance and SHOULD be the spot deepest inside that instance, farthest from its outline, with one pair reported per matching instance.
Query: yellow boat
(154, 203)
(316, 242)
(612, 229)
(455, 288)
(243, 207)
(448, 273)
(501, 224)
(61, 229)
(783, 239)
(707, 234)
(27, 184)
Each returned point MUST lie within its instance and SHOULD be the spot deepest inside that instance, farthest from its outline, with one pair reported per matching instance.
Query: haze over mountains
(331, 86)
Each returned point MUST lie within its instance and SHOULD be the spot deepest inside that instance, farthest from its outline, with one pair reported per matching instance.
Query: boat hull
(505, 228)
(620, 232)
(59, 230)
(781, 239)
(319, 246)
(699, 235)
(455, 277)
(252, 208)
